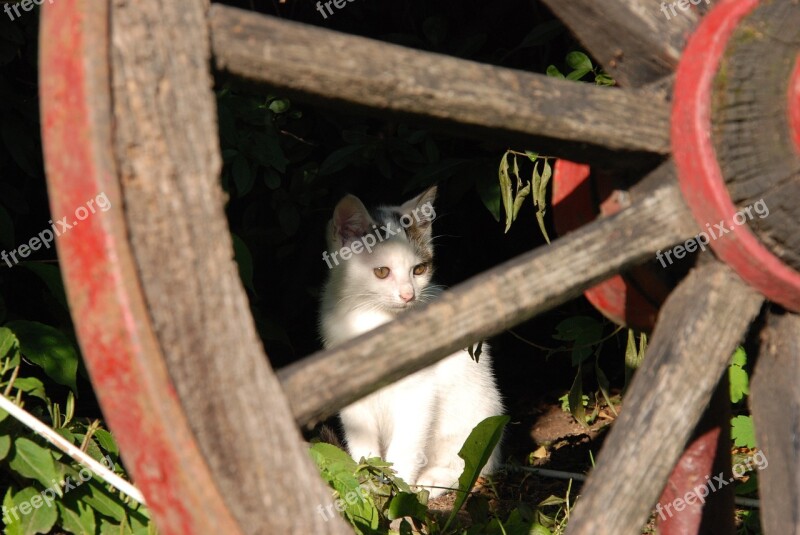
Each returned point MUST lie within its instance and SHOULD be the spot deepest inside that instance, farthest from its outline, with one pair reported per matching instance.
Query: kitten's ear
(423, 204)
(350, 221)
(422, 211)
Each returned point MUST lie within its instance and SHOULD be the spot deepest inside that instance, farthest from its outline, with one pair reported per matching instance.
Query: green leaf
(109, 528)
(538, 529)
(738, 383)
(327, 454)
(603, 384)
(575, 398)
(738, 378)
(31, 386)
(33, 461)
(107, 441)
(540, 194)
(476, 452)
(742, 432)
(340, 158)
(585, 332)
(604, 79)
(80, 521)
(7, 341)
(489, 192)
(280, 105)
(739, 357)
(28, 512)
(406, 504)
(269, 151)
(506, 193)
(632, 357)
(272, 179)
(48, 348)
(553, 72)
(242, 174)
(103, 502)
(5, 445)
(578, 60)
(51, 276)
(577, 74)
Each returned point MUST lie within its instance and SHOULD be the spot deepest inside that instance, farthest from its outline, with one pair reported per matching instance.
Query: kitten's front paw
(439, 480)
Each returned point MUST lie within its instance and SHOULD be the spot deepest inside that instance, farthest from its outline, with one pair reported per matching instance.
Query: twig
(72, 451)
(558, 474)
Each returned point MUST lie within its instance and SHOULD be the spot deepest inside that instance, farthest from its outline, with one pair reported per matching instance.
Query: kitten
(420, 422)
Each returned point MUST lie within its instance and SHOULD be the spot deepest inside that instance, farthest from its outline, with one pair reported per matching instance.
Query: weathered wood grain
(320, 385)
(775, 403)
(119, 348)
(634, 40)
(167, 149)
(698, 329)
(751, 132)
(559, 117)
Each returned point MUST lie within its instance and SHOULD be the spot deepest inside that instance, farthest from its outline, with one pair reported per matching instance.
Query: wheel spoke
(579, 121)
(775, 402)
(698, 329)
(500, 298)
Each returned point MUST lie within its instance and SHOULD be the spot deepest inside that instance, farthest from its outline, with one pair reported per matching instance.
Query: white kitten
(419, 423)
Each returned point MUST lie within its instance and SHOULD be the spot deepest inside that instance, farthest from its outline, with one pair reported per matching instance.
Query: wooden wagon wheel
(207, 428)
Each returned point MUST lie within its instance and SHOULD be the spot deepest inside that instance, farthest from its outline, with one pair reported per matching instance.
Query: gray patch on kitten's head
(412, 222)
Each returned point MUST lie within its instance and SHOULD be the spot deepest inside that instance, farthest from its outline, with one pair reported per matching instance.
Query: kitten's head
(382, 259)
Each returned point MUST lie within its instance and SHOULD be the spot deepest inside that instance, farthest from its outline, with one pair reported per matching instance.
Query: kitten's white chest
(341, 326)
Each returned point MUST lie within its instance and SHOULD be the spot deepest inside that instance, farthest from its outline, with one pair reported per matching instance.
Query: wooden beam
(118, 344)
(582, 122)
(698, 329)
(320, 385)
(775, 402)
(166, 143)
(634, 40)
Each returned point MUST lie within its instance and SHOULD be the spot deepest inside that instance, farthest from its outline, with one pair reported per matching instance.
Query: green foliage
(476, 451)
(48, 348)
(580, 65)
(737, 375)
(513, 193)
(585, 335)
(370, 495)
(742, 431)
(634, 355)
(46, 489)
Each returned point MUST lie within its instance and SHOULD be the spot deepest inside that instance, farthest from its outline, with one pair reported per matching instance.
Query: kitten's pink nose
(407, 295)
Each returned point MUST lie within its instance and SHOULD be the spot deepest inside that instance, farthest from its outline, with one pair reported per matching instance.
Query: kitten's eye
(419, 269)
(381, 272)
